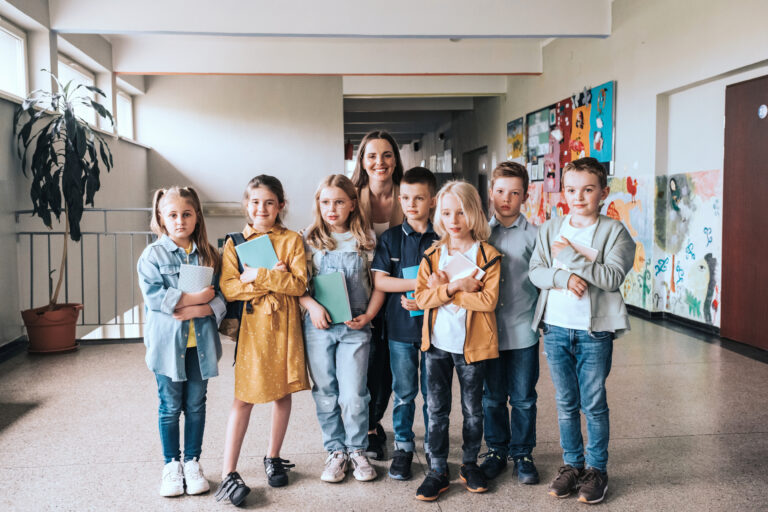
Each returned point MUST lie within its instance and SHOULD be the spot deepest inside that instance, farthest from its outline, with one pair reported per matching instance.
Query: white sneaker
(173, 479)
(364, 472)
(193, 475)
(335, 467)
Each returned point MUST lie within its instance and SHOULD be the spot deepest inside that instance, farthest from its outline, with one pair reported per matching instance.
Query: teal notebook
(257, 253)
(411, 273)
(331, 293)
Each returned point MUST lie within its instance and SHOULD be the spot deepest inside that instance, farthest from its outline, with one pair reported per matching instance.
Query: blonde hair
(209, 256)
(473, 211)
(319, 234)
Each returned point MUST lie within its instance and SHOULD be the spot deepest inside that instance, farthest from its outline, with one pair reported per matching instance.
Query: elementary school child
(181, 336)
(398, 248)
(338, 241)
(513, 376)
(579, 264)
(269, 356)
(459, 331)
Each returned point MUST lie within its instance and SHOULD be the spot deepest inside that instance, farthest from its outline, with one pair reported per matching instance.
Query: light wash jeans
(579, 362)
(338, 364)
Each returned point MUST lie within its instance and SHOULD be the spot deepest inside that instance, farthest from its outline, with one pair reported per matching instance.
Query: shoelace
(490, 453)
(232, 482)
(590, 475)
(278, 465)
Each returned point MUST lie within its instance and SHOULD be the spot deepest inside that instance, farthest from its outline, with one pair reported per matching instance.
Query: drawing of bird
(632, 187)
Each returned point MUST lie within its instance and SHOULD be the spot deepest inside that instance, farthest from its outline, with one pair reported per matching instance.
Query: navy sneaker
(400, 469)
(493, 464)
(376, 443)
(277, 471)
(232, 488)
(526, 470)
(433, 486)
(473, 477)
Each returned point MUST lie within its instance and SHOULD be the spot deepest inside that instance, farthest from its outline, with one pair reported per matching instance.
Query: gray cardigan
(615, 256)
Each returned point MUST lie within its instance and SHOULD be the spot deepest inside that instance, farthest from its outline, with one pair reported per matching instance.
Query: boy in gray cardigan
(579, 264)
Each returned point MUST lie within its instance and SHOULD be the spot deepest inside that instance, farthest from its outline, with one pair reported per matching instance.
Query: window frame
(18, 32)
(79, 68)
(125, 94)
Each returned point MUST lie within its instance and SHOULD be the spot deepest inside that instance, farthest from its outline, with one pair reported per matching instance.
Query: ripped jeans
(338, 364)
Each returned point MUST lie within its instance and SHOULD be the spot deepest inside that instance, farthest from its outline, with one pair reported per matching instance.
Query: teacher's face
(379, 160)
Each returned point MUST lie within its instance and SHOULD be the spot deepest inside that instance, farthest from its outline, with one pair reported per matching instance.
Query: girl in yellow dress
(269, 364)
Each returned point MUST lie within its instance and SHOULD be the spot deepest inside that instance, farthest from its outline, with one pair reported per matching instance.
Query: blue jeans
(187, 396)
(338, 364)
(512, 376)
(579, 362)
(404, 361)
(440, 365)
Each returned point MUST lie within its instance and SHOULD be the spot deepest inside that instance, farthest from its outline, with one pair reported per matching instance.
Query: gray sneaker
(335, 467)
(364, 472)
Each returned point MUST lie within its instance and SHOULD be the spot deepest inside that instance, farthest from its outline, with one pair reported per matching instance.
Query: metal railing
(104, 279)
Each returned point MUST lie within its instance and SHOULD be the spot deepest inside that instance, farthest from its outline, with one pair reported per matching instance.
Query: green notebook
(257, 253)
(331, 292)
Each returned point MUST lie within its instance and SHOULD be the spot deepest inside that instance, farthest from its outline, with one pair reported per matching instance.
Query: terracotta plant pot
(52, 330)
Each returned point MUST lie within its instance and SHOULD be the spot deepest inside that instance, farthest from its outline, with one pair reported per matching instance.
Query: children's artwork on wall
(563, 129)
(516, 141)
(688, 249)
(538, 133)
(601, 122)
(579, 144)
(552, 163)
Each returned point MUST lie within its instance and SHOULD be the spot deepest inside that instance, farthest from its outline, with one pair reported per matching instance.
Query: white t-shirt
(450, 327)
(380, 227)
(564, 308)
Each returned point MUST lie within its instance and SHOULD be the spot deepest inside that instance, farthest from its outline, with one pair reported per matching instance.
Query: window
(124, 115)
(13, 61)
(70, 70)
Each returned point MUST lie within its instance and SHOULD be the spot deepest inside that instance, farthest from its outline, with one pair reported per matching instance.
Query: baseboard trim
(13, 348)
(663, 315)
(110, 341)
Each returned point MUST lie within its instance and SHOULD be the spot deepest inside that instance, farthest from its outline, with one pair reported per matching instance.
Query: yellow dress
(270, 353)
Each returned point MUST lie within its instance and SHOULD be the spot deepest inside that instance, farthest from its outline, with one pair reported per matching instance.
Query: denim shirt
(164, 336)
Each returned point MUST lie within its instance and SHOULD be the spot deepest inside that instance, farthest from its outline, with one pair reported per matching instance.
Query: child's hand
(358, 322)
(190, 312)
(280, 266)
(466, 284)
(408, 304)
(577, 285)
(436, 279)
(319, 316)
(559, 245)
(249, 274)
(204, 296)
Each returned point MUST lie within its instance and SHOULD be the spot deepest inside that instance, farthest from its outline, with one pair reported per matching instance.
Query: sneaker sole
(432, 498)
(364, 478)
(559, 496)
(333, 481)
(528, 480)
(478, 489)
(582, 499)
(399, 477)
(172, 494)
(195, 492)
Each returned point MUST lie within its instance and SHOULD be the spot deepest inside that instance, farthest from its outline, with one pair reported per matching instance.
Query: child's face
(263, 208)
(583, 193)
(379, 160)
(179, 219)
(335, 208)
(508, 197)
(454, 219)
(416, 201)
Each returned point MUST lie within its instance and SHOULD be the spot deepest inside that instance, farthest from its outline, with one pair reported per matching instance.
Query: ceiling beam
(406, 104)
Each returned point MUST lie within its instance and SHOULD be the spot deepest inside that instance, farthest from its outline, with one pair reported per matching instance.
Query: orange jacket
(481, 341)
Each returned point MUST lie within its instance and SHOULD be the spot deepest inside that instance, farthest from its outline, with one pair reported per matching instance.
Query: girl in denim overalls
(337, 241)
(181, 336)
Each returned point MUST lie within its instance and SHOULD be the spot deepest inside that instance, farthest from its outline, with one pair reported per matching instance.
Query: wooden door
(744, 315)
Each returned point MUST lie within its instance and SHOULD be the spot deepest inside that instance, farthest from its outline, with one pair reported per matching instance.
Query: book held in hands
(257, 253)
(330, 290)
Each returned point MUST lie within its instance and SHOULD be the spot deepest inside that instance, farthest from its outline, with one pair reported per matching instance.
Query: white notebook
(460, 266)
(194, 278)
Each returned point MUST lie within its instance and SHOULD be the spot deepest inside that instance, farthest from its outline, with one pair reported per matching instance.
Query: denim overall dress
(338, 361)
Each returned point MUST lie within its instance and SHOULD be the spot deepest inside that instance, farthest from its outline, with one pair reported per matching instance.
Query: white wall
(656, 48)
(217, 132)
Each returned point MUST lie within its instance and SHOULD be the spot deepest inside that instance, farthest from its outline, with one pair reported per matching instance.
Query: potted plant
(64, 166)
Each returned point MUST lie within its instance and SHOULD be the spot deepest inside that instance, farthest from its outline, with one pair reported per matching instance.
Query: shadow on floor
(12, 412)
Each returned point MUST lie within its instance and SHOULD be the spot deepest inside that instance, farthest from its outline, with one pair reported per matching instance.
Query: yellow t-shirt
(191, 339)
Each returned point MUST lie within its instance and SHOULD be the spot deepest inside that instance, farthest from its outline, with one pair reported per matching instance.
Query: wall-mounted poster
(601, 123)
(538, 133)
(516, 141)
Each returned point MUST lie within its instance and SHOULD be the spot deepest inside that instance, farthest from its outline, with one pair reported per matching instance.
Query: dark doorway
(745, 226)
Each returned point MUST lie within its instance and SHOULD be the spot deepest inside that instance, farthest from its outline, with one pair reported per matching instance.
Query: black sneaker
(526, 470)
(593, 486)
(277, 471)
(566, 481)
(493, 464)
(473, 477)
(376, 442)
(400, 469)
(232, 488)
(433, 486)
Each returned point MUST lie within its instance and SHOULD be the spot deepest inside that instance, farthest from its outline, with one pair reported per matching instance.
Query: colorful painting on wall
(601, 123)
(538, 133)
(516, 141)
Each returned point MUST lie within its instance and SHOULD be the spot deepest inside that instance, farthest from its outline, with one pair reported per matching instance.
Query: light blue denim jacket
(164, 336)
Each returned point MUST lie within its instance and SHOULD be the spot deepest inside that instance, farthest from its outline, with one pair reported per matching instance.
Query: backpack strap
(236, 307)
(487, 263)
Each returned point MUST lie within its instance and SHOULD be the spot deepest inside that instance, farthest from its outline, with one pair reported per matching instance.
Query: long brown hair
(209, 256)
(360, 176)
(270, 183)
(319, 235)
